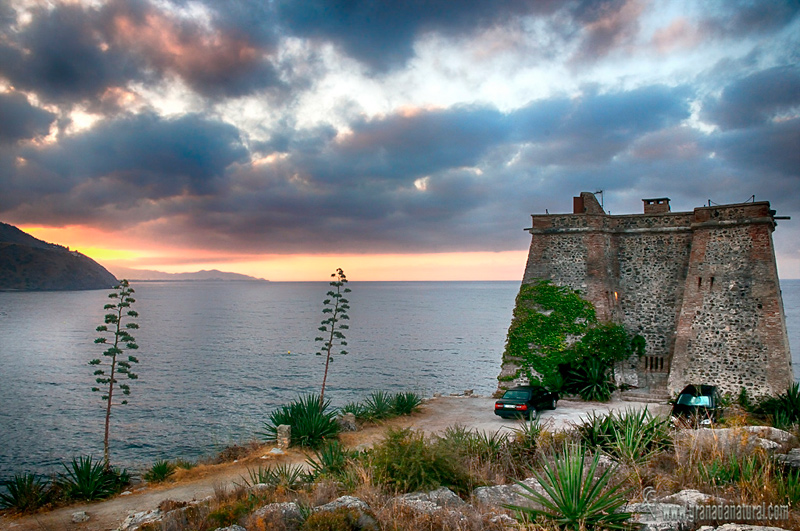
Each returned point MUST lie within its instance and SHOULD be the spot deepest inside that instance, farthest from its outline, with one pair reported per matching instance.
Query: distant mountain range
(30, 264)
(149, 275)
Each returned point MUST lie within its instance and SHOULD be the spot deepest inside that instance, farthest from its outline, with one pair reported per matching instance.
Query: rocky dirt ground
(436, 415)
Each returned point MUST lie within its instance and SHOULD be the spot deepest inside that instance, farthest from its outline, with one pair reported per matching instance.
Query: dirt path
(200, 482)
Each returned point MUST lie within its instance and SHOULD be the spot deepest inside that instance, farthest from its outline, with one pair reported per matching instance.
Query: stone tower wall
(642, 271)
(732, 328)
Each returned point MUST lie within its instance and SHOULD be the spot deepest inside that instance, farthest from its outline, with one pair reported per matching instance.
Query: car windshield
(517, 394)
(689, 400)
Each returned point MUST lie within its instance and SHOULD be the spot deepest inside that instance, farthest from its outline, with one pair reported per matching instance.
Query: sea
(216, 357)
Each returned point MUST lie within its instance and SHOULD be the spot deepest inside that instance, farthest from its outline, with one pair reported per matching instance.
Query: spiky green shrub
(282, 475)
(405, 403)
(355, 408)
(405, 462)
(86, 479)
(578, 497)
(591, 379)
(330, 461)
(628, 436)
(378, 406)
(160, 471)
(783, 409)
(312, 421)
(24, 493)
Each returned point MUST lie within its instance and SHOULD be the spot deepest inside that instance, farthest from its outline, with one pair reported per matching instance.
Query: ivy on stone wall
(547, 320)
(554, 338)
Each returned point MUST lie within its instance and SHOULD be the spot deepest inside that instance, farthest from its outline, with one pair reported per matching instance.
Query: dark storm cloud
(595, 127)
(755, 99)
(736, 19)
(231, 58)
(60, 55)
(145, 155)
(20, 120)
(767, 149)
(72, 53)
(381, 35)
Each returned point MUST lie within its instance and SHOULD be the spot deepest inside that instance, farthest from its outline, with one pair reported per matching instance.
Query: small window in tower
(711, 285)
(616, 297)
(699, 282)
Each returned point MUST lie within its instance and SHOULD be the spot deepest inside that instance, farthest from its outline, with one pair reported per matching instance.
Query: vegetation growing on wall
(555, 339)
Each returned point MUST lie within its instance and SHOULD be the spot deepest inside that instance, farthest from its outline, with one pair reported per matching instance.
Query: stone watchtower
(701, 287)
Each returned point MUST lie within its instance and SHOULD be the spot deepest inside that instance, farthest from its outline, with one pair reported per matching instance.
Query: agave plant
(378, 406)
(25, 492)
(282, 475)
(87, 479)
(312, 421)
(331, 460)
(160, 471)
(577, 497)
(405, 403)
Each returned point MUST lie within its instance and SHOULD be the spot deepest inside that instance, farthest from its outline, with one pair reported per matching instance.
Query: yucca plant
(629, 436)
(160, 471)
(86, 479)
(784, 408)
(578, 498)
(331, 460)
(24, 492)
(378, 406)
(311, 420)
(282, 475)
(355, 408)
(405, 403)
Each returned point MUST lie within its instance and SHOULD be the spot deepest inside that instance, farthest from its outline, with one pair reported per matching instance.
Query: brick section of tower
(642, 271)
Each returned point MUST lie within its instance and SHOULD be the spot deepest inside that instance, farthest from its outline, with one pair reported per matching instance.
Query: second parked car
(524, 401)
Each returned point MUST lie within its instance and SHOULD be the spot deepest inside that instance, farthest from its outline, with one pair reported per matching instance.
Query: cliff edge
(30, 264)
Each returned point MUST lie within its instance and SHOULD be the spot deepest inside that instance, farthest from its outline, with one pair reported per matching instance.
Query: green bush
(784, 409)
(628, 436)
(591, 379)
(86, 479)
(378, 406)
(406, 462)
(24, 493)
(578, 497)
(355, 408)
(312, 422)
(282, 475)
(160, 471)
(405, 403)
(331, 460)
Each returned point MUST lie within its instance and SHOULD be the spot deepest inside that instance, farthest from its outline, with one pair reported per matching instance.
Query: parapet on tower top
(656, 205)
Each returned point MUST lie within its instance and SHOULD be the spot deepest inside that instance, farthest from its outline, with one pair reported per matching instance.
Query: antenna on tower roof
(601, 198)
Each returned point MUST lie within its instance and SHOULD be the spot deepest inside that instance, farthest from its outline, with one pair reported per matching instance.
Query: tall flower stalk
(335, 307)
(115, 363)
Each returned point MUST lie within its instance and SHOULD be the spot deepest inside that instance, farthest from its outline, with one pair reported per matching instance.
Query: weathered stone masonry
(701, 287)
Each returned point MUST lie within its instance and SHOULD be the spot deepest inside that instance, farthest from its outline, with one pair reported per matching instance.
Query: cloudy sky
(285, 138)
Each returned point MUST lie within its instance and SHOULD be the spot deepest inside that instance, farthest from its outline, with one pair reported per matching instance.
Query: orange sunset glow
(94, 243)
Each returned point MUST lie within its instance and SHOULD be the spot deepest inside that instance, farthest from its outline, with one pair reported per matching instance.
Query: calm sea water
(217, 357)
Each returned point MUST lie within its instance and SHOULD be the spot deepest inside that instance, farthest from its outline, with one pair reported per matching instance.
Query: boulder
(135, 520)
(365, 520)
(792, 459)
(347, 422)
(442, 497)
(79, 517)
(690, 497)
(285, 515)
(746, 527)
(773, 434)
(500, 495)
(231, 528)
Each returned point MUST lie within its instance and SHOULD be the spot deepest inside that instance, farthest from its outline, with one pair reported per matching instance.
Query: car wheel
(553, 404)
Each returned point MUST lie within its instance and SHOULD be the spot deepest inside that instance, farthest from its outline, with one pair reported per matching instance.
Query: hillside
(30, 264)
(205, 275)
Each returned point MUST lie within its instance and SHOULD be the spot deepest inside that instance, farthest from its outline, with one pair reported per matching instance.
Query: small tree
(114, 363)
(336, 306)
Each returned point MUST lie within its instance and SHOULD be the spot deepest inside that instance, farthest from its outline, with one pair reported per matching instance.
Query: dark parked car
(525, 401)
(699, 404)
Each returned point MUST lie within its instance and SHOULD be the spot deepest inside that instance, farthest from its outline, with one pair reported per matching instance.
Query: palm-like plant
(577, 497)
(25, 492)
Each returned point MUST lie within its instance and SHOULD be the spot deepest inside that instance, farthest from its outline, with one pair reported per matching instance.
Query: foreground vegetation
(588, 474)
